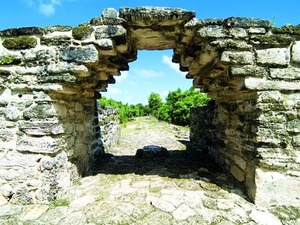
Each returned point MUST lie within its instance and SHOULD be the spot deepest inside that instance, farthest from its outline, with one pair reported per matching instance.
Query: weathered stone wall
(203, 128)
(50, 80)
(254, 81)
(109, 126)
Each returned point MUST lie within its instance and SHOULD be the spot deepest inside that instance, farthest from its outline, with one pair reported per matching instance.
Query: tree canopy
(175, 108)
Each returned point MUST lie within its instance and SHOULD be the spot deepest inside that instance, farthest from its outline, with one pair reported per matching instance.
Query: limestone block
(106, 46)
(237, 173)
(21, 31)
(85, 54)
(294, 126)
(243, 58)
(110, 13)
(147, 16)
(40, 111)
(249, 70)
(296, 143)
(231, 44)
(238, 32)
(57, 28)
(44, 54)
(264, 84)
(240, 162)
(257, 30)
(183, 212)
(212, 31)
(41, 128)
(263, 217)
(22, 195)
(276, 188)
(21, 70)
(43, 145)
(290, 73)
(57, 39)
(111, 31)
(64, 67)
(12, 113)
(273, 56)
(6, 135)
(247, 22)
(296, 52)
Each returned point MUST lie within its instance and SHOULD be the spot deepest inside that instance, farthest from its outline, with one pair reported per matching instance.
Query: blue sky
(153, 70)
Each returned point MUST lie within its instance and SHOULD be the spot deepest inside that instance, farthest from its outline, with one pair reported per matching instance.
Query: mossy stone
(19, 43)
(81, 32)
(21, 31)
(4, 72)
(274, 40)
(57, 41)
(9, 59)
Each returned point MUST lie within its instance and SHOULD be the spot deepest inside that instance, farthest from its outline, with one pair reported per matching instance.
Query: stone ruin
(50, 79)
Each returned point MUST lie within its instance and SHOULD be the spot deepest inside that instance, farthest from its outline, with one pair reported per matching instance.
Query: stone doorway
(51, 77)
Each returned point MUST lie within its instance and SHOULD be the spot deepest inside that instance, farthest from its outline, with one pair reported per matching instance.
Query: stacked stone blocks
(51, 77)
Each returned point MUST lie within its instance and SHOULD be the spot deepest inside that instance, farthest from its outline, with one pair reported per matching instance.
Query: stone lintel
(148, 16)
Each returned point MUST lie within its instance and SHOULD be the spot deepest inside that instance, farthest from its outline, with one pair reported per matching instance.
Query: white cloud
(122, 77)
(163, 94)
(127, 100)
(113, 91)
(148, 73)
(175, 67)
(46, 7)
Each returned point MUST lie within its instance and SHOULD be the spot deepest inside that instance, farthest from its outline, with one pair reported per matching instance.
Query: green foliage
(155, 102)
(82, 31)
(127, 112)
(176, 109)
(19, 43)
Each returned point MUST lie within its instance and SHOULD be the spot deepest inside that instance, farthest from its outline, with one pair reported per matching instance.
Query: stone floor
(184, 187)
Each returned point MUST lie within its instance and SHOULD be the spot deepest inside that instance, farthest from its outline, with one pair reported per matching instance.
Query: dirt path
(183, 187)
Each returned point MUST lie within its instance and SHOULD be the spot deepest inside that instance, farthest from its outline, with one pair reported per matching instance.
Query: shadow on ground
(191, 163)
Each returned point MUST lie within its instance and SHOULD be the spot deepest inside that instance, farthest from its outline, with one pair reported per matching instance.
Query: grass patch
(59, 202)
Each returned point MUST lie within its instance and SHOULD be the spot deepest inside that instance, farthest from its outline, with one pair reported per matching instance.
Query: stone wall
(109, 126)
(254, 81)
(50, 79)
(203, 128)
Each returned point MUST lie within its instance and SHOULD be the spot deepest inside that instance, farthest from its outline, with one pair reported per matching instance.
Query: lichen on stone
(19, 43)
(21, 31)
(59, 28)
(274, 40)
(57, 41)
(81, 32)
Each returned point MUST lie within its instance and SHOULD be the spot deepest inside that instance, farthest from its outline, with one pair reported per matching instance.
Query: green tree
(176, 109)
(154, 102)
(127, 112)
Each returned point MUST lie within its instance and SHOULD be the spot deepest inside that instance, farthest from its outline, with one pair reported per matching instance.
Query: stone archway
(50, 80)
